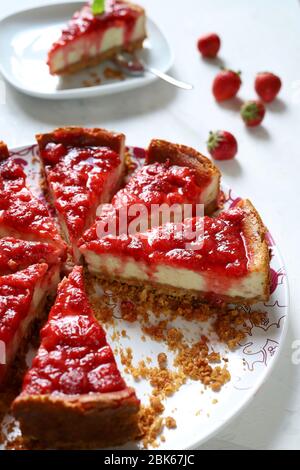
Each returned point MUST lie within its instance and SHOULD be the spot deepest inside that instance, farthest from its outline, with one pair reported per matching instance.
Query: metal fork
(131, 65)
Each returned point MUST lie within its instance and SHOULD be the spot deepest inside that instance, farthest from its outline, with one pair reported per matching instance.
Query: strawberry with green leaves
(222, 145)
(252, 113)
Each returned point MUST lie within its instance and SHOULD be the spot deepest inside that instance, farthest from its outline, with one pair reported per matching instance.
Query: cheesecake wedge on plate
(23, 297)
(16, 254)
(22, 214)
(225, 258)
(89, 39)
(201, 178)
(83, 168)
(74, 395)
(174, 178)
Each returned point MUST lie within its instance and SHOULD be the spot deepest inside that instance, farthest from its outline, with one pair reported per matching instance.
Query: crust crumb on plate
(233, 325)
(150, 425)
(113, 74)
(162, 361)
(164, 382)
(136, 302)
(171, 423)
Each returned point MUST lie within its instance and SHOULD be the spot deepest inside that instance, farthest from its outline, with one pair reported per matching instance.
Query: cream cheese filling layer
(94, 44)
(249, 286)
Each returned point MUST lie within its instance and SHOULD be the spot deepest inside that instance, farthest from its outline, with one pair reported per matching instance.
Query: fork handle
(168, 78)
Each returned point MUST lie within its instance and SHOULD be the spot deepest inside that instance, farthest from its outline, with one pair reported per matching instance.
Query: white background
(256, 36)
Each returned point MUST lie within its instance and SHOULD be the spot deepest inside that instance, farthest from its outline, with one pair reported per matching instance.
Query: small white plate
(26, 37)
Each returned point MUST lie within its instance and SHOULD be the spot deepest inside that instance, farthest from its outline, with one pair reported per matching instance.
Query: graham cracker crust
(158, 294)
(72, 422)
(93, 61)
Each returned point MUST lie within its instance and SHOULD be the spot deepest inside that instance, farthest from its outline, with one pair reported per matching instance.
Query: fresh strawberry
(222, 145)
(209, 45)
(267, 86)
(226, 85)
(253, 112)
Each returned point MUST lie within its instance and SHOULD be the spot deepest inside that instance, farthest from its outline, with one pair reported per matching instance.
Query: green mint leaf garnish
(98, 7)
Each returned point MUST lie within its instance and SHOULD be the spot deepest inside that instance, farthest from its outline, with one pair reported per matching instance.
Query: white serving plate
(249, 366)
(26, 36)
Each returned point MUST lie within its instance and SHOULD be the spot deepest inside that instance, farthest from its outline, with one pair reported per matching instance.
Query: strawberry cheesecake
(89, 38)
(222, 258)
(83, 168)
(16, 255)
(201, 178)
(22, 215)
(174, 177)
(173, 174)
(74, 395)
(22, 301)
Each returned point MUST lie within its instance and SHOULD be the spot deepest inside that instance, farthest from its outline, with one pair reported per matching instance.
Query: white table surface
(257, 36)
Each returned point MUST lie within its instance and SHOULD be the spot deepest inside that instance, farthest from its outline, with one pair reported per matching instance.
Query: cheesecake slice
(16, 255)
(22, 215)
(74, 395)
(174, 177)
(89, 39)
(201, 178)
(83, 168)
(22, 301)
(224, 258)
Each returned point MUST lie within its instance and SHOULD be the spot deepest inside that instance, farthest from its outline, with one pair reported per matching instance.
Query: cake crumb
(214, 357)
(114, 74)
(233, 325)
(170, 422)
(126, 359)
(150, 425)
(162, 361)
(128, 311)
(157, 404)
(219, 376)
(174, 337)
(164, 382)
(156, 332)
(115, 335)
